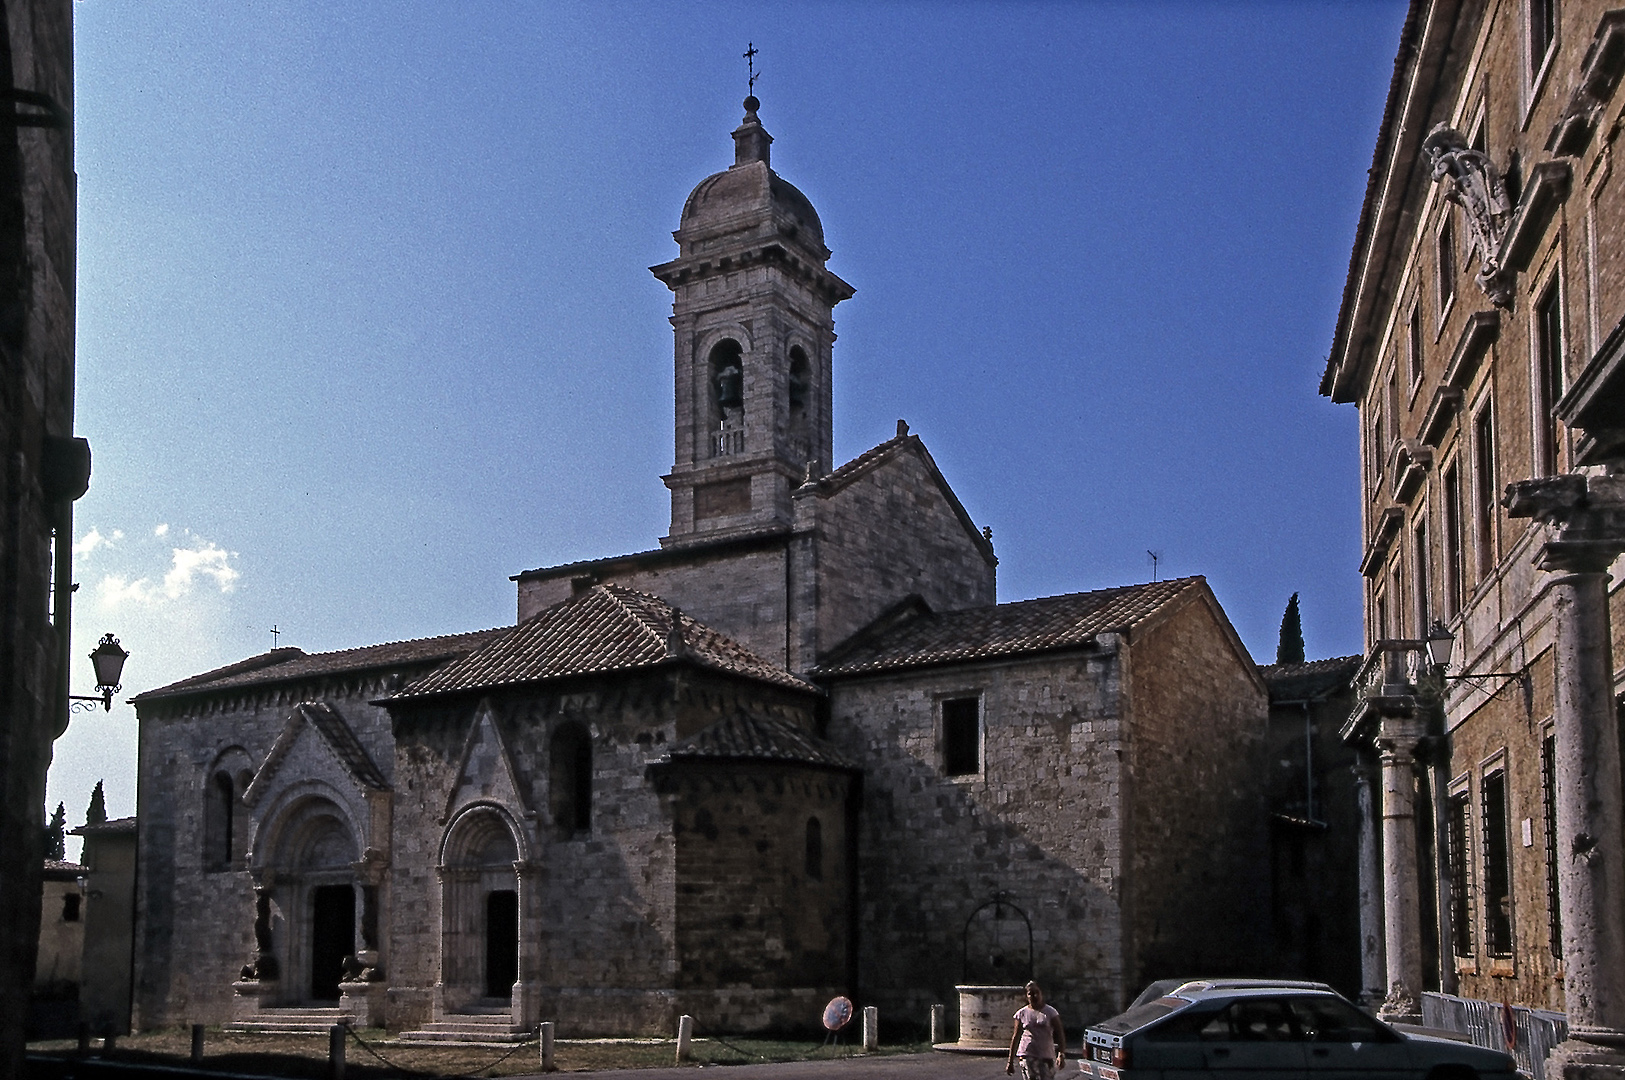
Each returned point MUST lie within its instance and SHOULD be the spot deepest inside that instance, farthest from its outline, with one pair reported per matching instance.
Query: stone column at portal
(1372, 972)
(1402, 924)
(1584, 517)
(526, 1004)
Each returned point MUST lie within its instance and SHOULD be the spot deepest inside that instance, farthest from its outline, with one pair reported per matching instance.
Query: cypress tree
(1290, 650)
(56, 838)
(96, 814)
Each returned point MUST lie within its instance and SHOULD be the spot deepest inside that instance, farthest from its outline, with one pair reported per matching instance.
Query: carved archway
(483, 954)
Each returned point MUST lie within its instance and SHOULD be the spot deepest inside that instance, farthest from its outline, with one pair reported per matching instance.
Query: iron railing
(1485, 1023)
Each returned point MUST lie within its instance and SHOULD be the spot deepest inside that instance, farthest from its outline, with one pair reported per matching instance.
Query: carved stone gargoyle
(1476, 187)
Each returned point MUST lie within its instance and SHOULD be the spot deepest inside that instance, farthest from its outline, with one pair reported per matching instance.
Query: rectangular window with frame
(1542, 34)
(1548, 791)
(1484, 489)
(1396, 589)
(1549, 373)
(1379, 444)
(1414, 358)
(962, 736)
(1419, 575)
(1446, 264)
(1452, 541)
(1460, 856)
(1497, 864)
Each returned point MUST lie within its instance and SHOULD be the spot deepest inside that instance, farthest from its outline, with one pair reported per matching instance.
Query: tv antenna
(1155, 557)
(750, 54)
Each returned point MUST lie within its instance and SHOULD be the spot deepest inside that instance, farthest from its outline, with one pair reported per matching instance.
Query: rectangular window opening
(1424, 604)
(1497, 865)
(1484, 495)
(1452, 541)
(962, 736)
(1461, 899)
(1549, 378)
(1446, 265)
(1548, 776)
(1542, 33)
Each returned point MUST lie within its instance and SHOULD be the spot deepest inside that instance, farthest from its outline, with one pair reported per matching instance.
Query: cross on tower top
(750, 54)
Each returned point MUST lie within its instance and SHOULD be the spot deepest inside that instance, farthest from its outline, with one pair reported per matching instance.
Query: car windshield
(1140, 1015)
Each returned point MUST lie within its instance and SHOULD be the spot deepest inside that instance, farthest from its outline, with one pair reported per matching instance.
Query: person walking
(1037, 1038)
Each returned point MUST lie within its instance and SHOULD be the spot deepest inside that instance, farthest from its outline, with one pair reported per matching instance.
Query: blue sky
(366, 325)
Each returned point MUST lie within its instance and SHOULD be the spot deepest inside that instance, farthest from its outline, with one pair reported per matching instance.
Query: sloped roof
(292, 665)
(105, 828)
(754, 738)
(602, 629)
(1313, 679)
(985, 633)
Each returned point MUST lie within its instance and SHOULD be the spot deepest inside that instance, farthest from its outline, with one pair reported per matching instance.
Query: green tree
(1290, 650)
(96, 814)
(56, 838)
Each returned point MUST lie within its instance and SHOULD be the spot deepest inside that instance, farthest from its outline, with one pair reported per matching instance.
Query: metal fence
(1534, 1031)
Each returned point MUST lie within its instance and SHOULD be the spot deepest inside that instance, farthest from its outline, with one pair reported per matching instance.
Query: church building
(796, 750)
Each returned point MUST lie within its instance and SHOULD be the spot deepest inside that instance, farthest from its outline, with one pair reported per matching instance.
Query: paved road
(933, 1066)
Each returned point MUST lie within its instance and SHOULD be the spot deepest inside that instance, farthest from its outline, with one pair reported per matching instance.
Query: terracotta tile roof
(602, 629)
(922, 638)
(752, 738)
(862, 463)
(1314, 679)
(292, 665)
(105, 828)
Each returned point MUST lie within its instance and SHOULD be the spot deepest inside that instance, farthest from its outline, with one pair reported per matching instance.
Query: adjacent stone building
(1481, 337)
(796, 750)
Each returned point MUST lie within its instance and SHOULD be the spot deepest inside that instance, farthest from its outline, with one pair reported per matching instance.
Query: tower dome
(749, 198)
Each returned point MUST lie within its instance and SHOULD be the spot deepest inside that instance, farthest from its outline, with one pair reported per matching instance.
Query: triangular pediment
(316, 740)
(485, 772)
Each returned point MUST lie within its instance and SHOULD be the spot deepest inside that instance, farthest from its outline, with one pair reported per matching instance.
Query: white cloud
(116, 590)
(161, 529)
(94, 539)
(208, 560)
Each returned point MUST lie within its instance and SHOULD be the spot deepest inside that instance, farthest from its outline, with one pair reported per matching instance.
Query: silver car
(1272, 1032)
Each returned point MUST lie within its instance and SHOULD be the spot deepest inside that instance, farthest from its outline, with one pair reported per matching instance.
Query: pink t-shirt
(1037, 1034)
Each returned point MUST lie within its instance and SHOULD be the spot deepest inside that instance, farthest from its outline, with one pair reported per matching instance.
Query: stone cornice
(1547, 188)
(1480, 332)
(1600, 73)
(689, 269)
(1382, 539)
(1595, 405)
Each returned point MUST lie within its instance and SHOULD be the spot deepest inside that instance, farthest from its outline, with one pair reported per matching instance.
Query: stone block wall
(194, 923)
(755, 908)
(1197, 835)
(892, 531)
(1039, 824)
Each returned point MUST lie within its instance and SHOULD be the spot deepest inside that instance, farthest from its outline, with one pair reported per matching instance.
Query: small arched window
(219, 822)
(800, 379)
(815, 849)
(728, 374)
(570, 776)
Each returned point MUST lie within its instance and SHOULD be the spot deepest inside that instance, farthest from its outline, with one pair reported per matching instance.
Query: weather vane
(750, 54)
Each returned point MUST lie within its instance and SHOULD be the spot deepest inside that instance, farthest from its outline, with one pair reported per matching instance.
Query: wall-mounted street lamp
(1441, 643)
(108, 660)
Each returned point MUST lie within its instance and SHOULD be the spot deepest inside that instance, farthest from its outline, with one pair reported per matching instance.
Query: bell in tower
(753, 316)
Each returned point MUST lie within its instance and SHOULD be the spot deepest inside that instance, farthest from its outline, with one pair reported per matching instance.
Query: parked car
(1209, 1029)
(1164, 987)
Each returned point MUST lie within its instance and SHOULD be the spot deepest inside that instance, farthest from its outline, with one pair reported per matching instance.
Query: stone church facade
(796, 750)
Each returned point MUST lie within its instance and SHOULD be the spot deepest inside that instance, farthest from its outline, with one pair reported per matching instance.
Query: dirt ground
(373, 1053)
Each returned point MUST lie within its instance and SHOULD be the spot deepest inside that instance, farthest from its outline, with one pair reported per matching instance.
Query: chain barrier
(530, 1038)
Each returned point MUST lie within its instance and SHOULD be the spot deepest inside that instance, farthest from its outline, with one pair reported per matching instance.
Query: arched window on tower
(570, 779)
(815, 849)
(727, 384)
(800, 393)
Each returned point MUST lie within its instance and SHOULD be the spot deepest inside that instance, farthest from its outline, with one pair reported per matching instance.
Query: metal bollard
(685, 1036)
(547, 1046)
(335, 1052)
(197, 1044)
(871, 1028)
(939, 1025)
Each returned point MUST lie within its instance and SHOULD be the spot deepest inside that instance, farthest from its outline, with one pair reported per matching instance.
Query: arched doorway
(480, 911)
(311, 879)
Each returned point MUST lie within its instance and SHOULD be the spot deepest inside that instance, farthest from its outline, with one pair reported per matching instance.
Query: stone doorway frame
(467, 876)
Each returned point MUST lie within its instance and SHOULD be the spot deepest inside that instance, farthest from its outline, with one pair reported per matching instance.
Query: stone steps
(290, 1021)
(480, 1026)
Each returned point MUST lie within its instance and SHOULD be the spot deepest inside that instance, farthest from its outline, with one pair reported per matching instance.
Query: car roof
(1164, 987)
(1147, 1013)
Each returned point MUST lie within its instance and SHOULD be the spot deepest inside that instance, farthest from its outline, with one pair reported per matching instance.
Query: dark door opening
(501, 942)
(332, 938)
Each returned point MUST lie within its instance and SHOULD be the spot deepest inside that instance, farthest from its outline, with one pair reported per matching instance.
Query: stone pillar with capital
(1584, 518)
(1372, 972)
(1397, 738)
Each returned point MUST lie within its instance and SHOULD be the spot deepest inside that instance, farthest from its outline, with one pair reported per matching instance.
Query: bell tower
(753, 319)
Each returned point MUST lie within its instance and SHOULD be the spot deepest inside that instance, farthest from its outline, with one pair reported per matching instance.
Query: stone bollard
(84, 1039)
(939, 1025)
(109, 1043)
(685, 1036)
(547, 1046)
(197, 1044)
(335, 1052)
(871, 1028)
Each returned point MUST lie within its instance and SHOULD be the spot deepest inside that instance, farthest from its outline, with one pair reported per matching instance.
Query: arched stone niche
(484, 896)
